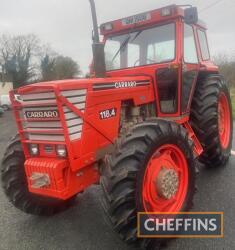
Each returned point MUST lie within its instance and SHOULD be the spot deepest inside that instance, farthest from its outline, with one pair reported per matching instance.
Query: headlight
(34, 149)
(61, 150)
(166, 12)
(107, 26)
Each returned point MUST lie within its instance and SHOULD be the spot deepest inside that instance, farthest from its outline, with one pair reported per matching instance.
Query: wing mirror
(191, 15)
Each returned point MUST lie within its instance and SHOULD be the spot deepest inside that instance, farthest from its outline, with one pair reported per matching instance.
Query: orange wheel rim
(165, 182)
(224, 120)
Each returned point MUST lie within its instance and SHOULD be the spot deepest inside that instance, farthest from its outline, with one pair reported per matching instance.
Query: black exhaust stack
(97, 46)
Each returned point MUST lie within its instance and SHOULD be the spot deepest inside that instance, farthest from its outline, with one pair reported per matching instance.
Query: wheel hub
(167, 183)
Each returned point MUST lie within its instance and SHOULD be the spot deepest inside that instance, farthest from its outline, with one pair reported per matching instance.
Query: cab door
(190, 67)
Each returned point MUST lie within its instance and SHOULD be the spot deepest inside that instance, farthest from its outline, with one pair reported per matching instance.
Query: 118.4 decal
(108, 113)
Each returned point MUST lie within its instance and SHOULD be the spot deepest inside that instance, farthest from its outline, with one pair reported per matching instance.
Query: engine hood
(96, 84)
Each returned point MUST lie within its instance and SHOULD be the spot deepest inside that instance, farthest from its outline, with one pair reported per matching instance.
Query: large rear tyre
(15, 185)
(152, 154)
(211, 119)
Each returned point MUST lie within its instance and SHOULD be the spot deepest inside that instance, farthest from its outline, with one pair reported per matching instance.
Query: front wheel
(15, 186)
(154, 171)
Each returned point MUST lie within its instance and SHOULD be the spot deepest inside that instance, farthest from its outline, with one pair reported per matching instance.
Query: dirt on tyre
(154, 152)
(211, 119)
(14, 184)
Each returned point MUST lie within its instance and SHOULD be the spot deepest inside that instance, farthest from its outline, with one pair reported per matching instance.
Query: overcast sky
(67, 24)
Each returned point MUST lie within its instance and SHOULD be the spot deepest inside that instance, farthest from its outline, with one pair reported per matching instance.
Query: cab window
(111, 49)
(139, 48)
(133, 54)
(203, 45)
(190, 51)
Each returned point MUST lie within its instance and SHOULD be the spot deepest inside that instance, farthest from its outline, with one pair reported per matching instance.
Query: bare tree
(47, 63)
(24, 60)
(17, 55)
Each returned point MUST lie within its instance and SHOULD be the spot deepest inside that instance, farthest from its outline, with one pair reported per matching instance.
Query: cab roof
(148, 18)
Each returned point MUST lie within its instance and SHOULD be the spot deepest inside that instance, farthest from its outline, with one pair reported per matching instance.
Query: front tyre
(211, 119)
(14, 184)
(154, 171)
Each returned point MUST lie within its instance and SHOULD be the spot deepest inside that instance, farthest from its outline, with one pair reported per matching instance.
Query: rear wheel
(153, 171)
(14, 183)
(211, 119)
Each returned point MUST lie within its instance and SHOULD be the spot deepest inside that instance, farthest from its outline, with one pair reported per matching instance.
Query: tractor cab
(167, 44)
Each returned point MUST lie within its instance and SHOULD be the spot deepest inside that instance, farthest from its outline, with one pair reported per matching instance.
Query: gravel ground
(84, 226)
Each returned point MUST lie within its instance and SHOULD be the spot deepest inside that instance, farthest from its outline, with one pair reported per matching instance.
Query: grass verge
(233, 103)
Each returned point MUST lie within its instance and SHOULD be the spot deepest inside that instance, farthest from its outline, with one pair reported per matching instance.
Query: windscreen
(149, 46)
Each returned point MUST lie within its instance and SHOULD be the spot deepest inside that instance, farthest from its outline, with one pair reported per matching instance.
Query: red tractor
(154, 105)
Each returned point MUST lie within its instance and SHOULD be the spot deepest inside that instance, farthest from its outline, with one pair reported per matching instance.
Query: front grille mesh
(51, 130)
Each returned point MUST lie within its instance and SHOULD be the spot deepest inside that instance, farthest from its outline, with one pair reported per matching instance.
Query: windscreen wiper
(123, 46)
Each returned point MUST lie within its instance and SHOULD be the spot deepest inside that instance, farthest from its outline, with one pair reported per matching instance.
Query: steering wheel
(147, 59)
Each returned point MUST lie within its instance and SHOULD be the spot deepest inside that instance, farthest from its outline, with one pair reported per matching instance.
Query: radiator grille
(74, 123)
(51, 130)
